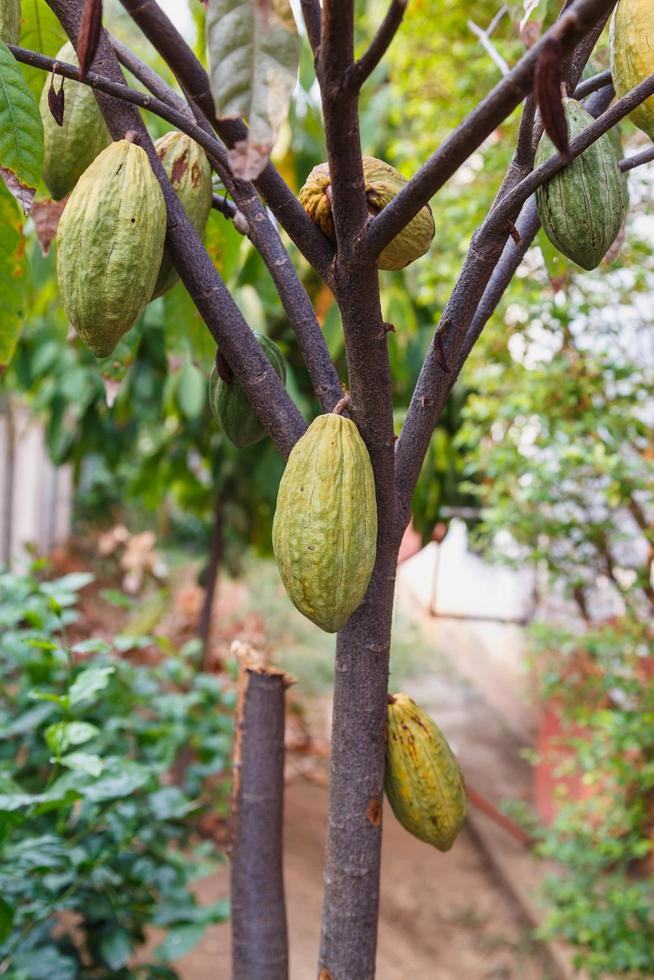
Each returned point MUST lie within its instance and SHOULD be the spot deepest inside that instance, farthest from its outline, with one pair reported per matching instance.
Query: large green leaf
(254, 53)
(13, 282)
(41, 32)
(21, 132)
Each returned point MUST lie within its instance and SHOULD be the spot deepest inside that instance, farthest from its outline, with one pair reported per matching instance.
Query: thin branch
(637, 159)
(364, 67)
(149, 78)
(311, 14)
(223, 205)
(292, 293)
(481, 122)
(620, 109)
(194, 82)
(489, 47)
(593, 84)
(255, 374)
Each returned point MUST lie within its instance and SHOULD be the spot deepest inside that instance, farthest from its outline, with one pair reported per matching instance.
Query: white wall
(35, 497)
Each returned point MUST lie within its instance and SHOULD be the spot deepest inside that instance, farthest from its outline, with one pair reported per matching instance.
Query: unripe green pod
(188, 170)
(10, 21)
(582, 206)
(325, 525)
(422, 781)
(230, 405)
(71, 148)
(109, 245)
(382, 183)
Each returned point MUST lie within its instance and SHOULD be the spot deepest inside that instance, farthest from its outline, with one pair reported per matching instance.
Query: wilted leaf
(46, 214)
(21, 132)
(89, 35)
(253, 50)
(41, 32)
(57, 100)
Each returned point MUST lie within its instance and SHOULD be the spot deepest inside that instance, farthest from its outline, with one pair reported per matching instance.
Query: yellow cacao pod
(632, 55)
(325, 525)
(188, 170)
(423, 781)
(382, 183)
(110, 242)
(71, 148)
(10, 21)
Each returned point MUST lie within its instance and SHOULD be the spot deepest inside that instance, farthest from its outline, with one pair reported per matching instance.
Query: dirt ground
(443, 916)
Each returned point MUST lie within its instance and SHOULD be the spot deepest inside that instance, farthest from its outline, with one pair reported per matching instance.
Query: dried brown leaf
(45, 215)
(547, 91)
(56, 101)
(89, 35)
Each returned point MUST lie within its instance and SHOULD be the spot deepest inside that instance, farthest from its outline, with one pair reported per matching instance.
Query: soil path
(443, 916)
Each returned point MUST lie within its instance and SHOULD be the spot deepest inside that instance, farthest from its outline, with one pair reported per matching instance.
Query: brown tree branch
(149, 78)
(482, 121)
(364, 67)
(311, 15)
(254, 372)
(194, 82)
(263, 235)
(259, 935)
(590, 85)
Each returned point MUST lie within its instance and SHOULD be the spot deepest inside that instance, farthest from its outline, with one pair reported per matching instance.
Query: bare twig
(593, 84)
(481, 122)
(223, 205)
(489, 47)
(637, 159)
(153, 82)
(364, 67)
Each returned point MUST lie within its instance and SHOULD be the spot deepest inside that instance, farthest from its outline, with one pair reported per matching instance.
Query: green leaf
(254, 53)
(13, 269)
(120, 777)
(64, 733)
(89, 683)
(116, 947)
(86, 762)
(191, 391)
(7, 913)
(178, 942)
(21, 132)
(41, 32)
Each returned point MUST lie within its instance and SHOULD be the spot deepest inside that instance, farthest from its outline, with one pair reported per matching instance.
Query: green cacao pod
(582, 207)
(325, 525)
(109, 245)
(10, 21)
(632, 55)
(423, 781)
(382, 183)
(188, 170)
(230, 405)
(71, 148)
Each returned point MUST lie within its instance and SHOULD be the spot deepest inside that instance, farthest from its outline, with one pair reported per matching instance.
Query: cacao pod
(582, 207)
(423, 781)
(632, 55)
(11, 21)
(230, 405)
(325, 525)
(109, 245)
(382, 183)
(188, 170)
(71, 148)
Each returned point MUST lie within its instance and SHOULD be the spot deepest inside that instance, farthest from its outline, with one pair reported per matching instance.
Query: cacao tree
(127, 228)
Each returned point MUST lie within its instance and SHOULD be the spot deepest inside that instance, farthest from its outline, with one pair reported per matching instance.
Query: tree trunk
(215, 558)
(351, 903)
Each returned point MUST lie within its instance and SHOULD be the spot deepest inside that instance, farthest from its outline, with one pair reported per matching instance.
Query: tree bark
(215, 558)
(259, 935)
